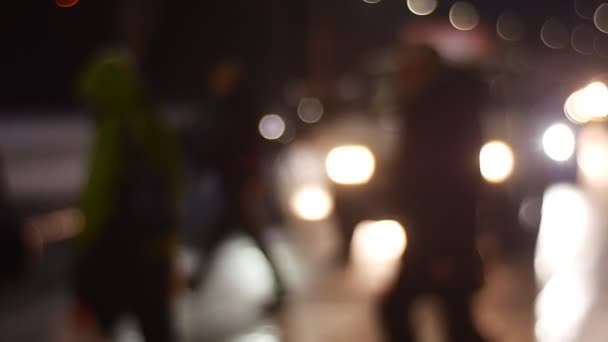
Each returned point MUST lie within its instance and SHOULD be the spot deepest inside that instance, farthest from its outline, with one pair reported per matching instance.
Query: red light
(66, 3)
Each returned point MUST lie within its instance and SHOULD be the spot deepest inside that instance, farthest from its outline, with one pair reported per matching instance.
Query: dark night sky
(44, 45)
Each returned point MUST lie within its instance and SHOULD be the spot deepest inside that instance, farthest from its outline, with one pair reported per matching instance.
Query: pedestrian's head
(224, 77)
(110, 84)
(417, 65)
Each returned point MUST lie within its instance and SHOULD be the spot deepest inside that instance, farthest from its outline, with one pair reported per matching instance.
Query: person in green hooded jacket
(130, 202)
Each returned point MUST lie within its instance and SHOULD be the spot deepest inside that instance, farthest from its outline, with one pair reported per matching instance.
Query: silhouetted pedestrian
(129, 203)
(437, 183)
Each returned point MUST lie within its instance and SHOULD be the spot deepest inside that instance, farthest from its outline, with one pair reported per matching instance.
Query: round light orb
(310, 110)
(311, 203)
(559, 142)
(593, 102)
(510, 27)
(572, 108)
(378, 242)
(496, 161)
(554, 34)
(600, 18)
(582, 39)
(422, 7)
(350, 165)
(585, 8)
(271, 126)
(464, 16)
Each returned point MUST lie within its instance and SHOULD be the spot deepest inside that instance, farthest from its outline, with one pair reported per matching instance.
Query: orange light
(66, 3)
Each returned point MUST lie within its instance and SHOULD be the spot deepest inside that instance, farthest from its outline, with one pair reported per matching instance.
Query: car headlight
(350, 164)
(311, 203)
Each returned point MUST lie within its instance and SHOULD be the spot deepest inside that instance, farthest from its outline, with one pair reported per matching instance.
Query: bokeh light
(310, 110)
(582, 39)
(496, 161)
(559, 142)
(272, 126)
(554, 34)
(561, 308)
(600, 44)
(311, 203)
(422, 7)
(589, 103)
(510, 27)
(571, 111)
(378, 242)
(585, 8)
(464, 16)
(600, 18)
(350, 165)
(593, 101)
(530, 212)
(566, 217)
(66, 3)
(372, 1)
(592, 156)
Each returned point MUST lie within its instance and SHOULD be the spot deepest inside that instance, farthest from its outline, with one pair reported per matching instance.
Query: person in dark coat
(437, 182)
(225, 141)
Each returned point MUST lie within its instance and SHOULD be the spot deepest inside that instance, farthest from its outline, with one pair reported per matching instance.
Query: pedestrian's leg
(459, 318)
(216, 235)
(152, 305)
(255, 232)
(395, 308)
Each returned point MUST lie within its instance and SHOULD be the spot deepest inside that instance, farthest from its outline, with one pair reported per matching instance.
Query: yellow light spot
(378, 242)
(350, 165)
(311, 203)
(496, 161)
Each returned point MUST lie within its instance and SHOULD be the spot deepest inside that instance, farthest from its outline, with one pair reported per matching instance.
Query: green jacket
(112, 90)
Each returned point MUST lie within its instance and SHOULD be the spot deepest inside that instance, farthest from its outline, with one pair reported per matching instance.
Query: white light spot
(422, 7)
(565, 222)
(310, 110)
(372, 1)
(378, 242)
(572, 108)
(561, 308)
(464, 16)
(559, 142)
(555, 34)
(600, 18)
(593, 102)
(311, 203)
(351, 165)
(496, 161)
(271, 126)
